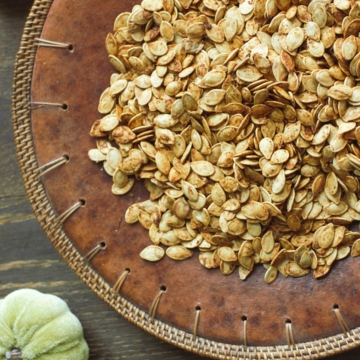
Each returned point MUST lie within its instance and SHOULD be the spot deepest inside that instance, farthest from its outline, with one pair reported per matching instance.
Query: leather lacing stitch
(289, 334)
(44, 169)
(154, 306)
(70, 211)
(54, 44)
(344, 326)
(92, 253)
(197, 318)
(120, 281)
(245, 331)
(40, 104)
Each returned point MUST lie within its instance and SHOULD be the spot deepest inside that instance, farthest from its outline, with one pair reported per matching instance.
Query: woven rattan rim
(50, 223)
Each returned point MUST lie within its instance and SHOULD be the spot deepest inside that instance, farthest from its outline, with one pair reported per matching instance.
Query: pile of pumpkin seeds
(242, 120)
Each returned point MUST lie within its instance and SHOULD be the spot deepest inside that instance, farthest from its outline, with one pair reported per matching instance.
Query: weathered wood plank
(12, 19)
(15, 209)
(27, 264)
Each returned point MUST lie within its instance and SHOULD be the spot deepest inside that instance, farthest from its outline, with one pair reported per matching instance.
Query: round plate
(224, 312)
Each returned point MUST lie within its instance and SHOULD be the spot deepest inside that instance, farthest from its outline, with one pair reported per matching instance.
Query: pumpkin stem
(14, 354)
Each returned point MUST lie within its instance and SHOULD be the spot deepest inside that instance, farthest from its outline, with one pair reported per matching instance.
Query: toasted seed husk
(178, 252)
(248, 74)
(295, 270)
(267, 242)
(152, 253)
(270, 274)
(202, 168)
(295, 38)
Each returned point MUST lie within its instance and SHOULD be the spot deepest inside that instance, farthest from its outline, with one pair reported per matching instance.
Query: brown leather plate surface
(77, 78)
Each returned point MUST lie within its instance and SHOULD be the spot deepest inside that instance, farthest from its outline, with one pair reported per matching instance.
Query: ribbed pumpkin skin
(41, 326)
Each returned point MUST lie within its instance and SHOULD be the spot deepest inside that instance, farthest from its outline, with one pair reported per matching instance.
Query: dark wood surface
(27, 259)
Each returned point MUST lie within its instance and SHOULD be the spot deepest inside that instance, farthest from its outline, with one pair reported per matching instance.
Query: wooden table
(27, 259)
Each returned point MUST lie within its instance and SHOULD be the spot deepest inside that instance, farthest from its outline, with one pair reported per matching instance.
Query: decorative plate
(61, 71)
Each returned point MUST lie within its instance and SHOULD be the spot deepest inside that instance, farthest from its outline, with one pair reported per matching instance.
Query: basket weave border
(48, 219)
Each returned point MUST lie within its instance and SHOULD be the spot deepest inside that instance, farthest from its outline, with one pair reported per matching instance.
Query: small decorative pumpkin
(36, 326)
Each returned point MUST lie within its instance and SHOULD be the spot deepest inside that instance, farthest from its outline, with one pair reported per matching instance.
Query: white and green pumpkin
(41, 327)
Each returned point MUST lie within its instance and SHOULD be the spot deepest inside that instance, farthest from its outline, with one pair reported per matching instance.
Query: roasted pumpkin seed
(245, 134)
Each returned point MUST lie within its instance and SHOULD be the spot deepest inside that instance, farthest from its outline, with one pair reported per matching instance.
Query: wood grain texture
(27, 258)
